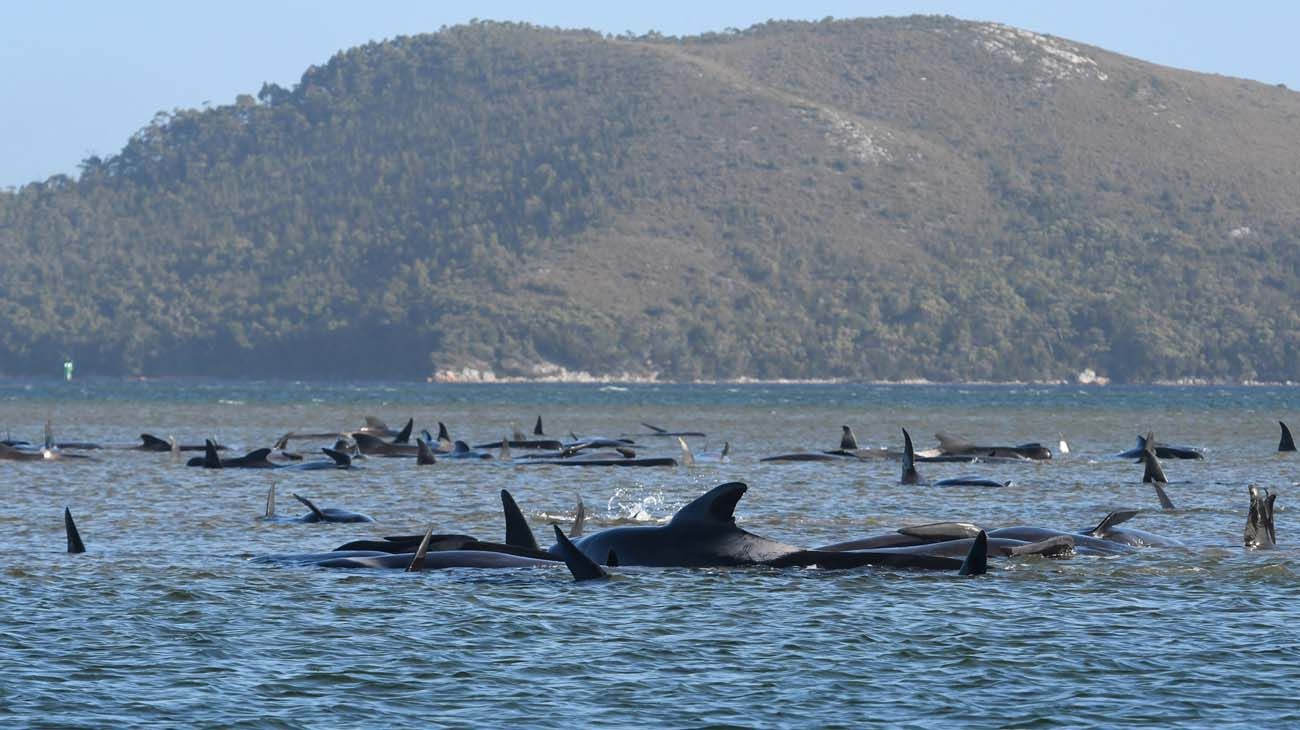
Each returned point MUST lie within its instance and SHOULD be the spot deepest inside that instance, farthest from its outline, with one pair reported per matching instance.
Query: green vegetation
(876, 199)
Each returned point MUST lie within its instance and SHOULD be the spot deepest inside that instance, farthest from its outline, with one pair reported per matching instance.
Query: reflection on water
(163, 621)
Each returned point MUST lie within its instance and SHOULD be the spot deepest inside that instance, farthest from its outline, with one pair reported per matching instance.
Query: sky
(80, 77)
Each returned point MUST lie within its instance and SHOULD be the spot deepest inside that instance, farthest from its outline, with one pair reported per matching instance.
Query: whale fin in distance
(75, 545)
(688, 459)
(1287, 443)
(579, 519)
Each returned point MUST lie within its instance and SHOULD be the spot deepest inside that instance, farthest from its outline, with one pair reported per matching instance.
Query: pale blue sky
(78, 78)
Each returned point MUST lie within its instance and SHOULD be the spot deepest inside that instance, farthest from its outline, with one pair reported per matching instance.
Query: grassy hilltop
(875, 199)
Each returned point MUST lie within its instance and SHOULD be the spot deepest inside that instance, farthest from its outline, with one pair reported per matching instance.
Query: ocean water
(166, 622)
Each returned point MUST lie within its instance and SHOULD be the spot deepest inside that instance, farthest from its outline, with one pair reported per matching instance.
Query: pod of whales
(911, 476)
(1164, 451)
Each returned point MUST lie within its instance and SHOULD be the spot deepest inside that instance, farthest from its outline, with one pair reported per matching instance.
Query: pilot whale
(911, 476)
(704, 534)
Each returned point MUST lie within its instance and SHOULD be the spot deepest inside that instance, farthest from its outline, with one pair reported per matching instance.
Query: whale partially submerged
(704, 534)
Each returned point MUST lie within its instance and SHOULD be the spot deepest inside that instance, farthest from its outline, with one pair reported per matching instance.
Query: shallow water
(164, 621)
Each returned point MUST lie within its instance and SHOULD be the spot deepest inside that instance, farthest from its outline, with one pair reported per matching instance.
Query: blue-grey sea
(165, 621)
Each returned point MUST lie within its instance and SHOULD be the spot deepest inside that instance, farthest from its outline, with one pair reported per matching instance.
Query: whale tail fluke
(910, 475)
(1151, 471)
(848, 442)
(1259, 522)
(579, 519)
(1118, 517)
(581, 566)
(341, 459)
(1165, 501)
(1286, 443)
(417, 560)
(688, 458)
(518, 533)
(75, 545)
(316, 511)
(211, 460)
(424, 454)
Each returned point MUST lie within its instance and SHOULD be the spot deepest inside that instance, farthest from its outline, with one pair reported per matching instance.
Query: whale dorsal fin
(1055, 546)
(716, 506)
(404, 436)
(977, 560)
(656, 429)
(282, 443)
(424, 455)
(417, 560)
(270, 502)
(460, 447)
(581, 566)
(257, 455)
(150, 441)
(910, 475)
(537, 429)
(1286, 443)
(579, 519)
(848, 441)
(443, 436)
(314, 509)
(1165, 501)
(518, 533)
(1113, 519)
(211, 460)
(688, 459)
(75, 545)
(340, 458)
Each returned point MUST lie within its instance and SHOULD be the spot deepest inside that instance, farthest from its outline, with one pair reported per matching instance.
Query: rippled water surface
(164, 621)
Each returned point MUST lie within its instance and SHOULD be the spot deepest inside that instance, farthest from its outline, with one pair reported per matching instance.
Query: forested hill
(873, 199)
